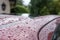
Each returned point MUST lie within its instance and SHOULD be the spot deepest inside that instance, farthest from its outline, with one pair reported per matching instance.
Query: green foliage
(44, 11)
(45, 7)
(38, 7)
(19, 2)
(20, 9)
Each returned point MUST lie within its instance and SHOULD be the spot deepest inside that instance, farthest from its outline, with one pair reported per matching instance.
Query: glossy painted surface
(25, 28)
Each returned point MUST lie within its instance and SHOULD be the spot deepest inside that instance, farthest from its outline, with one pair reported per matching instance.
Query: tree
(52, 7)
(19, 9)
(37, 6)
(19, 2)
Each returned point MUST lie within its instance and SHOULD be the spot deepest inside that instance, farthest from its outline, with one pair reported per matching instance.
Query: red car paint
(23, 28)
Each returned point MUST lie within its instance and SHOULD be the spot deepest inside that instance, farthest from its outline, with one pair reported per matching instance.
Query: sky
(26, 2)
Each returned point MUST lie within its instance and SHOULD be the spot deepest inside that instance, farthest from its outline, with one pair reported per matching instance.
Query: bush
(19, 10)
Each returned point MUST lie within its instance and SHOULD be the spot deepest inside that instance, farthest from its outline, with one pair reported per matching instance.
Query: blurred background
(37, 7)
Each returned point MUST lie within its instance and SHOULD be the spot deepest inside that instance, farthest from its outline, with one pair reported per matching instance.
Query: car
(14, 27)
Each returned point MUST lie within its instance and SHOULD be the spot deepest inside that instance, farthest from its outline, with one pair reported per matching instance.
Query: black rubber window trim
(45, 25)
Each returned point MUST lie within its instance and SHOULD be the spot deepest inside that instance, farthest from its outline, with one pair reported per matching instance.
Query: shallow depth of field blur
(37, 7)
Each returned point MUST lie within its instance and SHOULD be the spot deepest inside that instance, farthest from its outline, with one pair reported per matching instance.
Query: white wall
(7, 6)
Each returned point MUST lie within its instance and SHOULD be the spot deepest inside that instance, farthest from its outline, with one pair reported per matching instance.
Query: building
(6, 5)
